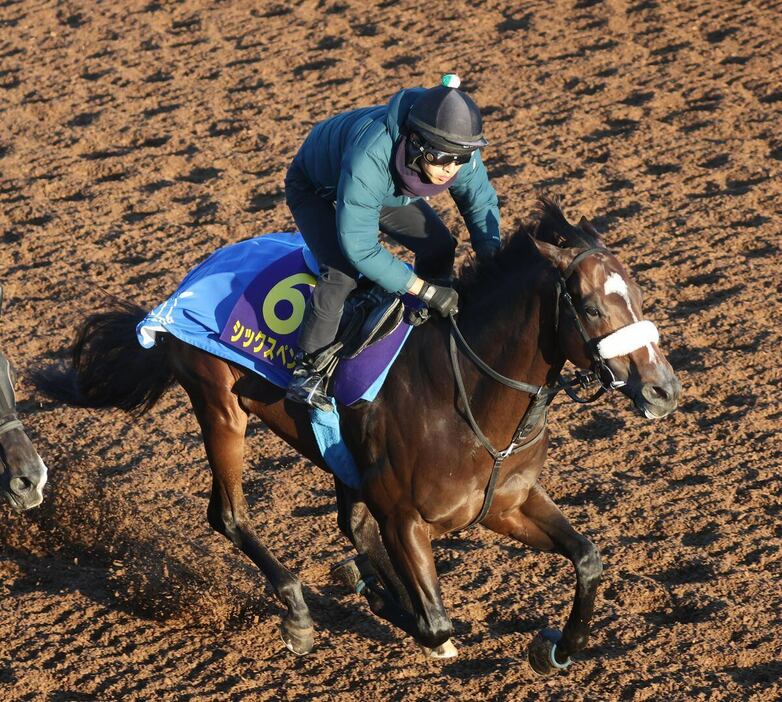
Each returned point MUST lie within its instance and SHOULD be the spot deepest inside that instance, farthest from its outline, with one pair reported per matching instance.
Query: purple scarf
(411, 182)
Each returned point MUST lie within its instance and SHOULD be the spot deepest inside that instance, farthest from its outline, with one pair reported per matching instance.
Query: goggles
(442, 158)
(437, 157)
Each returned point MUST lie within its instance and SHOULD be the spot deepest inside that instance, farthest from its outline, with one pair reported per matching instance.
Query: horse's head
(22, 472)
(601, 326)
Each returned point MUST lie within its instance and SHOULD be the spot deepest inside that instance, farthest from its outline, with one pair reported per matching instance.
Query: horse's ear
(560, 258)
(586, 225)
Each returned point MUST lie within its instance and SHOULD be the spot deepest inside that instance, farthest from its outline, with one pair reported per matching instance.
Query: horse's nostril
(656, 393)
(21, 485)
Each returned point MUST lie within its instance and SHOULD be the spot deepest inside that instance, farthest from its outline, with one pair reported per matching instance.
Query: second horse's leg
(539, 523)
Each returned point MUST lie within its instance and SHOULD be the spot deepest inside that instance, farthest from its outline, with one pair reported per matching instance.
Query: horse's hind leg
(539, 523)
(387, 598)
(223, 423)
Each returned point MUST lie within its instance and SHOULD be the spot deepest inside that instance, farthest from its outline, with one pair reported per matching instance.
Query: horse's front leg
(403, 557)
(539, 523)
(371, 573)
(223, 423)
(407, 541)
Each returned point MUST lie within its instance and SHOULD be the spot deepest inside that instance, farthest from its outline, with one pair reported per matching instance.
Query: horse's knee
(215, 518)
(214, 515)
(223, 521)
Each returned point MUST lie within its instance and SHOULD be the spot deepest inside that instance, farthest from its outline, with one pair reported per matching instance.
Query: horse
(22, 472)
(425, 446)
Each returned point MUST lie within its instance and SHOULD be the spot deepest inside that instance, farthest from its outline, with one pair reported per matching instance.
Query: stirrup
(307, 392)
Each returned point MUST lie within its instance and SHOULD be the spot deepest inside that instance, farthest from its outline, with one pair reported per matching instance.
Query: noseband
(618, 343)
(8, 423)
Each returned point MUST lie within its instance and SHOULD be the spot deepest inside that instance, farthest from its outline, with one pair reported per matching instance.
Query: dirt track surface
(137, 137)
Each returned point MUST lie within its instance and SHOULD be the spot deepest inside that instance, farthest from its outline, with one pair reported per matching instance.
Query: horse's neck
(512, 328)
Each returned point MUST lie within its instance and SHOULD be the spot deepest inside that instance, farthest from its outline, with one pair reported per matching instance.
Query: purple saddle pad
(264, 322)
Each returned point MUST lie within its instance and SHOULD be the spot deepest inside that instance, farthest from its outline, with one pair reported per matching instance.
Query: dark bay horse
(22, 472)
(552, 294)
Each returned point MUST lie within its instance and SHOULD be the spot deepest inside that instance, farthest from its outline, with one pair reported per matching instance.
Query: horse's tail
(109, 368)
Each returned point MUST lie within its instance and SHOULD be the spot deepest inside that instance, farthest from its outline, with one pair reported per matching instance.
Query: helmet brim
(452, 143)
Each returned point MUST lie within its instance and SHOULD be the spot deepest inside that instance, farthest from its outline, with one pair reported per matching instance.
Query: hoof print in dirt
(542, 653)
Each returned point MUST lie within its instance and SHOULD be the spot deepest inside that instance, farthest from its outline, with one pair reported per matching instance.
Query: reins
(537, 410)
(542, 396)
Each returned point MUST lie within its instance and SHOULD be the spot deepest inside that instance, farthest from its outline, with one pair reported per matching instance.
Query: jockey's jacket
(348, 159)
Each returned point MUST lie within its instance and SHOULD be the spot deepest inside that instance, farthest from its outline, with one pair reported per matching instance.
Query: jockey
(374, 169)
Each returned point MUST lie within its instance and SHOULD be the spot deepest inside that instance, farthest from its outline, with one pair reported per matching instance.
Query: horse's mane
(548, 224)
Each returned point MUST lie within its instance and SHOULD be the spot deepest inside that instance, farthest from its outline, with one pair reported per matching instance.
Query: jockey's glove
(439, 298)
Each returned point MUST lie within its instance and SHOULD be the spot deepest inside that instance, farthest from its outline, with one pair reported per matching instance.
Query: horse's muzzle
(658, 400)
(24, 492)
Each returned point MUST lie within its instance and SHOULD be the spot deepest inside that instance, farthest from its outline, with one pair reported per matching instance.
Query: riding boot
(308, 385)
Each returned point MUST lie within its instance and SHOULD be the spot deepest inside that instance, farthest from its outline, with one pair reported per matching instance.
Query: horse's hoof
(542, 653)
(299, 641)
(442, 652)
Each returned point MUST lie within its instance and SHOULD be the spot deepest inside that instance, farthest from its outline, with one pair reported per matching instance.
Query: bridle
(599, 371)
(9, 420)
(634, 335)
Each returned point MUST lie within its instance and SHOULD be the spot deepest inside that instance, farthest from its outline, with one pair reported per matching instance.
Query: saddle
(371, 315)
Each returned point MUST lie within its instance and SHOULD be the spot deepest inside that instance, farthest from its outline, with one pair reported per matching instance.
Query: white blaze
(615, 283)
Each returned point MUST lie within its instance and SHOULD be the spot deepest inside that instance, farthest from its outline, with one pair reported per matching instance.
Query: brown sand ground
(136, 137)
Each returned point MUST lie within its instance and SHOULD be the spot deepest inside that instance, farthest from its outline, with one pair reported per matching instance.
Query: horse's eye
(591, 311)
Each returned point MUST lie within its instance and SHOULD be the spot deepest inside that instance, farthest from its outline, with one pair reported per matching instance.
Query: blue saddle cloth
(245, 304)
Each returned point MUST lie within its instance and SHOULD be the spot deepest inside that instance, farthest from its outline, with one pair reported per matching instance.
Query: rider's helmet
(447, 119)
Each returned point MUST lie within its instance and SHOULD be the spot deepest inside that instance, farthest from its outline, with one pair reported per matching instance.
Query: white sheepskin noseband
(628, 339)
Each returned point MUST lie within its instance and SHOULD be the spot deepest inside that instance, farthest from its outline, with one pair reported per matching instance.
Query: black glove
(439, 298)
(485, 250)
